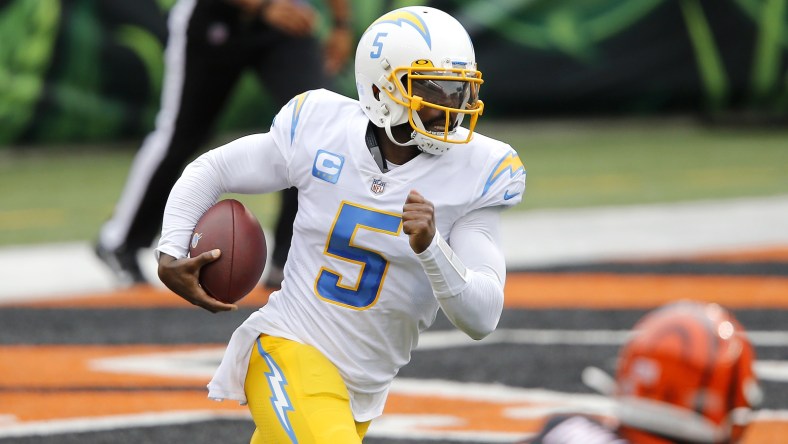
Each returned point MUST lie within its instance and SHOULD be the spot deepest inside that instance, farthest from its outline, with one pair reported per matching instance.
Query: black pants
(209, 46)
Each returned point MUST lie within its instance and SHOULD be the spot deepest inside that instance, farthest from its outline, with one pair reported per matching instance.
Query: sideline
(531, 239)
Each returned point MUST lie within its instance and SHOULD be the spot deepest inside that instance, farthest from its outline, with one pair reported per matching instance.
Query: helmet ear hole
(376, 92)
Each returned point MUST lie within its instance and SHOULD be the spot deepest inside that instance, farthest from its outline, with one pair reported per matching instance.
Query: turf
(634, 162)
(56, 194)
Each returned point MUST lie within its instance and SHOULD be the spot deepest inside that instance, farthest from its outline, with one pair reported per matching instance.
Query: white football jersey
(353, 287)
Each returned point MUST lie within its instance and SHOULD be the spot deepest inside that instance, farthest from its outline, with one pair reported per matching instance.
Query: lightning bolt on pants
(296, 395)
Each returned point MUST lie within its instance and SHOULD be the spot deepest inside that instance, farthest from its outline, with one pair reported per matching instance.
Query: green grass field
(56, 194)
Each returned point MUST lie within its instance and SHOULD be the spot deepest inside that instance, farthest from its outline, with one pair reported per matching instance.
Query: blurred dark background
(87, 71)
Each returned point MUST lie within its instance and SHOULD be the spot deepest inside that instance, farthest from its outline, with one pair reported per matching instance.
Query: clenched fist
(418, 221)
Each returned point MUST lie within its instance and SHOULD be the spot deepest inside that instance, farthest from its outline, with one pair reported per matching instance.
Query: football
(233, 229)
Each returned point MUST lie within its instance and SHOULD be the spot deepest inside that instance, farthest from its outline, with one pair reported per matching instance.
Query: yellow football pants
(296, 395)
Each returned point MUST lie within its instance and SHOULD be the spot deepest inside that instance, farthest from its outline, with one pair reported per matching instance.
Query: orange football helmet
(687, 373)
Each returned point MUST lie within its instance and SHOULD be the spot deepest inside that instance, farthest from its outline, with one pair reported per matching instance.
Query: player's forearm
(200, 186)
(472, 300)
(195, 191)
(249, 165)
(477, 309)
(470, 289)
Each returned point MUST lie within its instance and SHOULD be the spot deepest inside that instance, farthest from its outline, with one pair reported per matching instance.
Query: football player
(399, 216)
(684, 376)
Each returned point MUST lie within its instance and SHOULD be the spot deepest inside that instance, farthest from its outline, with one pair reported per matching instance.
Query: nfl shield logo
(378, 186)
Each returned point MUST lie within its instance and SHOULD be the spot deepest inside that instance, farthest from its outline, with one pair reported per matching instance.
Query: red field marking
(70, 405)
(546, 290)
(139, 296)
(57, 383)
(763, 432)
(642, 291)
(527, 290)
(48, 366)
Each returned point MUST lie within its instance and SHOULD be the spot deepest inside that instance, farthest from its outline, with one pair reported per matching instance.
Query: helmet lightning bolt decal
(279, 399)
(510, 162)
(402, 17)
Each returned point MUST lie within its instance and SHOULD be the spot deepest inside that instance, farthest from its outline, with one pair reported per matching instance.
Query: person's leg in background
(283, 234)
(199, 75)
(285, 79)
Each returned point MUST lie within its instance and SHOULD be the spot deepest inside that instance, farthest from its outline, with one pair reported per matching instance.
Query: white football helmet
(419, 57)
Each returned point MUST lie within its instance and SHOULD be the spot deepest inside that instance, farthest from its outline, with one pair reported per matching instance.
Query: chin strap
(374, 149)
(394, 140)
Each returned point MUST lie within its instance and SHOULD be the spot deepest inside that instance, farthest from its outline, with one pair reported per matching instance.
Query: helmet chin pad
(429, 145)
(432, 142)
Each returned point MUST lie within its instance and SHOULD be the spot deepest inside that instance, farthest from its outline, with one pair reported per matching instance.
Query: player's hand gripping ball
(233, 229)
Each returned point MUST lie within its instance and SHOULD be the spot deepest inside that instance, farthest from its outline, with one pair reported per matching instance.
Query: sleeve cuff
(445, 270)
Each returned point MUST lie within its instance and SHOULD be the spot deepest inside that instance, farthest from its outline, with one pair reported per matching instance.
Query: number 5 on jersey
(341, 245)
